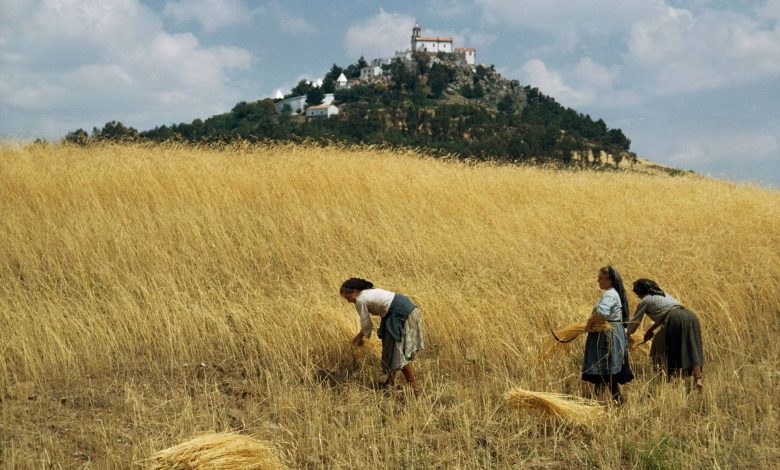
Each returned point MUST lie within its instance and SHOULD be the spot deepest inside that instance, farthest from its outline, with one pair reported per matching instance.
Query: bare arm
(651, 331)
(358, 340)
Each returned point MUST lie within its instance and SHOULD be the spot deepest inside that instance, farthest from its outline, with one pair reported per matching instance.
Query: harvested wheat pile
(569, 333)
(575, 409)
(218, 451)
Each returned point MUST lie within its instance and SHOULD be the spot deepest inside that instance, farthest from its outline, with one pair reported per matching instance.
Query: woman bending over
(681, 344)
(400, 328)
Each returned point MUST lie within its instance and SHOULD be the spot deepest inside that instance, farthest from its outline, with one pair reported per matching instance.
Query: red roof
(441, 39)
(320, 106)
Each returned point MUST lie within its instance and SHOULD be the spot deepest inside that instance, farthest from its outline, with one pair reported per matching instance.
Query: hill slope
(154, 292)
(434, 102)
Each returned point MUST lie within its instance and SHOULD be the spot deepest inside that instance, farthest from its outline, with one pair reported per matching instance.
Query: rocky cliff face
(484, 84)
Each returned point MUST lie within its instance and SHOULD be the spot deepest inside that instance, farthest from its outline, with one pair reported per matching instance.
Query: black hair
(643, 287)
(617, 284)
(355, 283)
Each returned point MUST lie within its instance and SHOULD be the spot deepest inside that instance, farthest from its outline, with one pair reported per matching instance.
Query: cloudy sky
(694, 84)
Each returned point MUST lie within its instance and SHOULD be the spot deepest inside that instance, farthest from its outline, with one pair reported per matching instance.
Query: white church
(427, 44)
(434, 44)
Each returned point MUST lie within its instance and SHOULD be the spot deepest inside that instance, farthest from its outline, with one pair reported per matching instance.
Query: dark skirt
(658, 349)
(606, 357)
(683, 341)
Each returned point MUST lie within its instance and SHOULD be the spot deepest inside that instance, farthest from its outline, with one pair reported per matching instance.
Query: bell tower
(415, 35)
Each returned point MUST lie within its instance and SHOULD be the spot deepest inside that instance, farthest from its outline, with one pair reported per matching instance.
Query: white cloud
(738, 147)
(688, 52)
(595, 16)
(536, 73)
(477, 39)
(588, 83)
(770, 10)
(595, 75)
(210, 14)
(379, 36)
(83, 63)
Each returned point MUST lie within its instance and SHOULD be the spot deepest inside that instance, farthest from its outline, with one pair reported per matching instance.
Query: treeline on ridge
(431, 102)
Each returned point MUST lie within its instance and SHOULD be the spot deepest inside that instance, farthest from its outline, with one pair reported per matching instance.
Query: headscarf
(643, 287)
(617, 284)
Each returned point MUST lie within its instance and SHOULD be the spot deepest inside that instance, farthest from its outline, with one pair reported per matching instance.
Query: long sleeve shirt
(372, 302)
(609, 307)
(656, 307)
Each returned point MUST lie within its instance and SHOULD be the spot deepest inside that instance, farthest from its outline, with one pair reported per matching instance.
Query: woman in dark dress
(606, 352)
(682, 346)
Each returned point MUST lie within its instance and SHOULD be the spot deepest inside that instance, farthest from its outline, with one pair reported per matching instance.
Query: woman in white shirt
(606, 353)
(400, 328)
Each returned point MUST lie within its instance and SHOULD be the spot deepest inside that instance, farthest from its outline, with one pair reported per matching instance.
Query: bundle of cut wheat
(569, 333)
(575, 409)
(636, 343)
(218, 451)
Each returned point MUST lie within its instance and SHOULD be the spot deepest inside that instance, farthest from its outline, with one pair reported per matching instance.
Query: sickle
(559, 339)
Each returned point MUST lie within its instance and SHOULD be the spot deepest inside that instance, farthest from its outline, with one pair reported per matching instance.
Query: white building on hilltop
(324, 110)
(297, 104)
(429, 44)
(468, 53)
(342, 82)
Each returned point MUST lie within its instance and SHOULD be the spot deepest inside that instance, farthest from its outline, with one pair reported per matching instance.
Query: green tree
(78, 137)
(301, 88)
(315, 96)
(438, 79)
(334, 72)
(115, 131)
(328, 85)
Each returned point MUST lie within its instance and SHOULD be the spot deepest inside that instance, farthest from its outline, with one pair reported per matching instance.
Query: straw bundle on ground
(569, 333)
(218, 451)
(575, 409)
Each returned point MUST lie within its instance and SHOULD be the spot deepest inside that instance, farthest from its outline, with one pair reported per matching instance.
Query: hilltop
(436, 102)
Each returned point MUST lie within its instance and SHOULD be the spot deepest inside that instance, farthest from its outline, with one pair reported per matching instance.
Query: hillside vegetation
(152, 293)
(431, 102)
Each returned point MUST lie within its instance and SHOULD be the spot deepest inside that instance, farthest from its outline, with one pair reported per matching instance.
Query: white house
(341, 82)
(468, 53)
(322, 111)
(429, 43)
(367, 73)
(297, 103)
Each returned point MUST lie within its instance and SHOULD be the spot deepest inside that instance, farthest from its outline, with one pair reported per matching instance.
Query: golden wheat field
(152, 294)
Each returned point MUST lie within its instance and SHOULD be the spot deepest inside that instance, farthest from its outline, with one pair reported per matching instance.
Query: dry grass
(570, 408)
(156, 293)
(218, 451)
